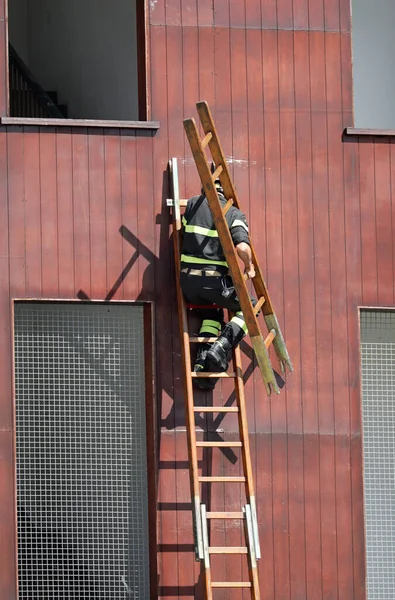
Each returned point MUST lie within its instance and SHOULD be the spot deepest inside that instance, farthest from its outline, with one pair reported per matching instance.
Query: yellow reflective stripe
(211, 323)
(208, 329)
(241, 323)
(200, 230)
(239, 223)
(202, 261)
(184, 221)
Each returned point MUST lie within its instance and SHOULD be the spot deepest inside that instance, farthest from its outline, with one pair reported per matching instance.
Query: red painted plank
(301, 14)
(368, 223)
(8, 574)
(173, 12)
(316, 16)
(97, 214)
(253, 13)
(146, 217)
(344, 524)
(33, 239)
(312, 516)
(281, 516)
(338, 273)
(129, 211)
(297, 539)
(327, 486)
(221, 13)
(333, 69)
(16, 212)
(317, 71)
(332, 15)
(49, 214)
(346, 78)
(3, 68)
(358, 519)
(323, 306)
(284, 14)
(354, 275)
(6, 418)
(269, 14)
(237, 16)
(190, 94)
(187, 573)
(157, 12)
(82, 254)
(205, 11)
(302, 72)
(113, 193)
(286, 70)
(167, 515)
(3, 9)
(392, 180)
(222, 90)
(189, 13)
(64, 182)
(264, 497)
(345, 15)
(384, 225)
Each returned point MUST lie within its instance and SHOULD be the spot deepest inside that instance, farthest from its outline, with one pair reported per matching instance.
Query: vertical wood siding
(82, 214)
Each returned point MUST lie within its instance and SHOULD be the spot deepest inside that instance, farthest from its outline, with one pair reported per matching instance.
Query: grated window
(81, 451)
(378, 419)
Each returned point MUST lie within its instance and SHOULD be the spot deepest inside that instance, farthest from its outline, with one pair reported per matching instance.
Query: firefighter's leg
(211, 327)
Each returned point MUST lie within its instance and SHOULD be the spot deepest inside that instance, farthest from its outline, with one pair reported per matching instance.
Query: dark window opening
(80, 59)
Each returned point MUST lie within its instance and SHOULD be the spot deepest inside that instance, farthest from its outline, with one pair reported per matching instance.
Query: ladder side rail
(231, 256)
(230, 192)
(258, 282)
(186, 358)
(246, 451)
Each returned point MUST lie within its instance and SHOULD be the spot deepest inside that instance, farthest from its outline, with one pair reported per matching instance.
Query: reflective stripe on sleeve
(239, 223)
(209, 324)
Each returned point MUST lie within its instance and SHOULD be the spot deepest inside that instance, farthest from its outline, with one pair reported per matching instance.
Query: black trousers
(206, 290)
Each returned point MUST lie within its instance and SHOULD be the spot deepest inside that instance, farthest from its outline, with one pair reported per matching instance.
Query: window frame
(143, 78)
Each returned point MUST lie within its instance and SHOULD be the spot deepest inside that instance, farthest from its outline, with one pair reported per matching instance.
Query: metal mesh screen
(378, 418)
(81, 451)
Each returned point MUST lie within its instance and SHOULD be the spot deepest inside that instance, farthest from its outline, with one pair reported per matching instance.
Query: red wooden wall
(79, 207)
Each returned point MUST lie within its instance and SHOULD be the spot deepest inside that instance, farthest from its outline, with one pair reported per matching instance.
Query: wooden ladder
(201, 517)
(259, 343)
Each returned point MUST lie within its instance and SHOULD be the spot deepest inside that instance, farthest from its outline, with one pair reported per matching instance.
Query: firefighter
(205, 280)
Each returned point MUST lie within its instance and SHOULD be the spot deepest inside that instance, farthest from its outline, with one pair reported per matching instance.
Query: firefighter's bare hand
(251, 272)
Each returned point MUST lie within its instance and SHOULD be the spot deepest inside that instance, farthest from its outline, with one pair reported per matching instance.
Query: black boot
(203, 383)
(217, 356)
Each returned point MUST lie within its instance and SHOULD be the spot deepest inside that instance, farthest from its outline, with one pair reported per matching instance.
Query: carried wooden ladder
(198, 145)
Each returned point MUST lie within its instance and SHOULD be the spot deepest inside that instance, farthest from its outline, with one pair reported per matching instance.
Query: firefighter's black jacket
(201, 247)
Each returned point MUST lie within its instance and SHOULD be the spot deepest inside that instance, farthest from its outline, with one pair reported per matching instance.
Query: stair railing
(27, 97)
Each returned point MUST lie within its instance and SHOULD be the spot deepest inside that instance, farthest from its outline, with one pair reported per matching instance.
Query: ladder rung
(227, 206)
(210, 375)
(225, 515)
(200, 340)
(270, 338)
(231, 584)
(206, 139)
(219, 479)
(209, 409)
(259, 304)
(219, 444)
(217, 172)
(228, 550)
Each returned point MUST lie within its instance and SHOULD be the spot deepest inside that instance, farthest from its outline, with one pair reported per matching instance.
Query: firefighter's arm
(244, 251)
